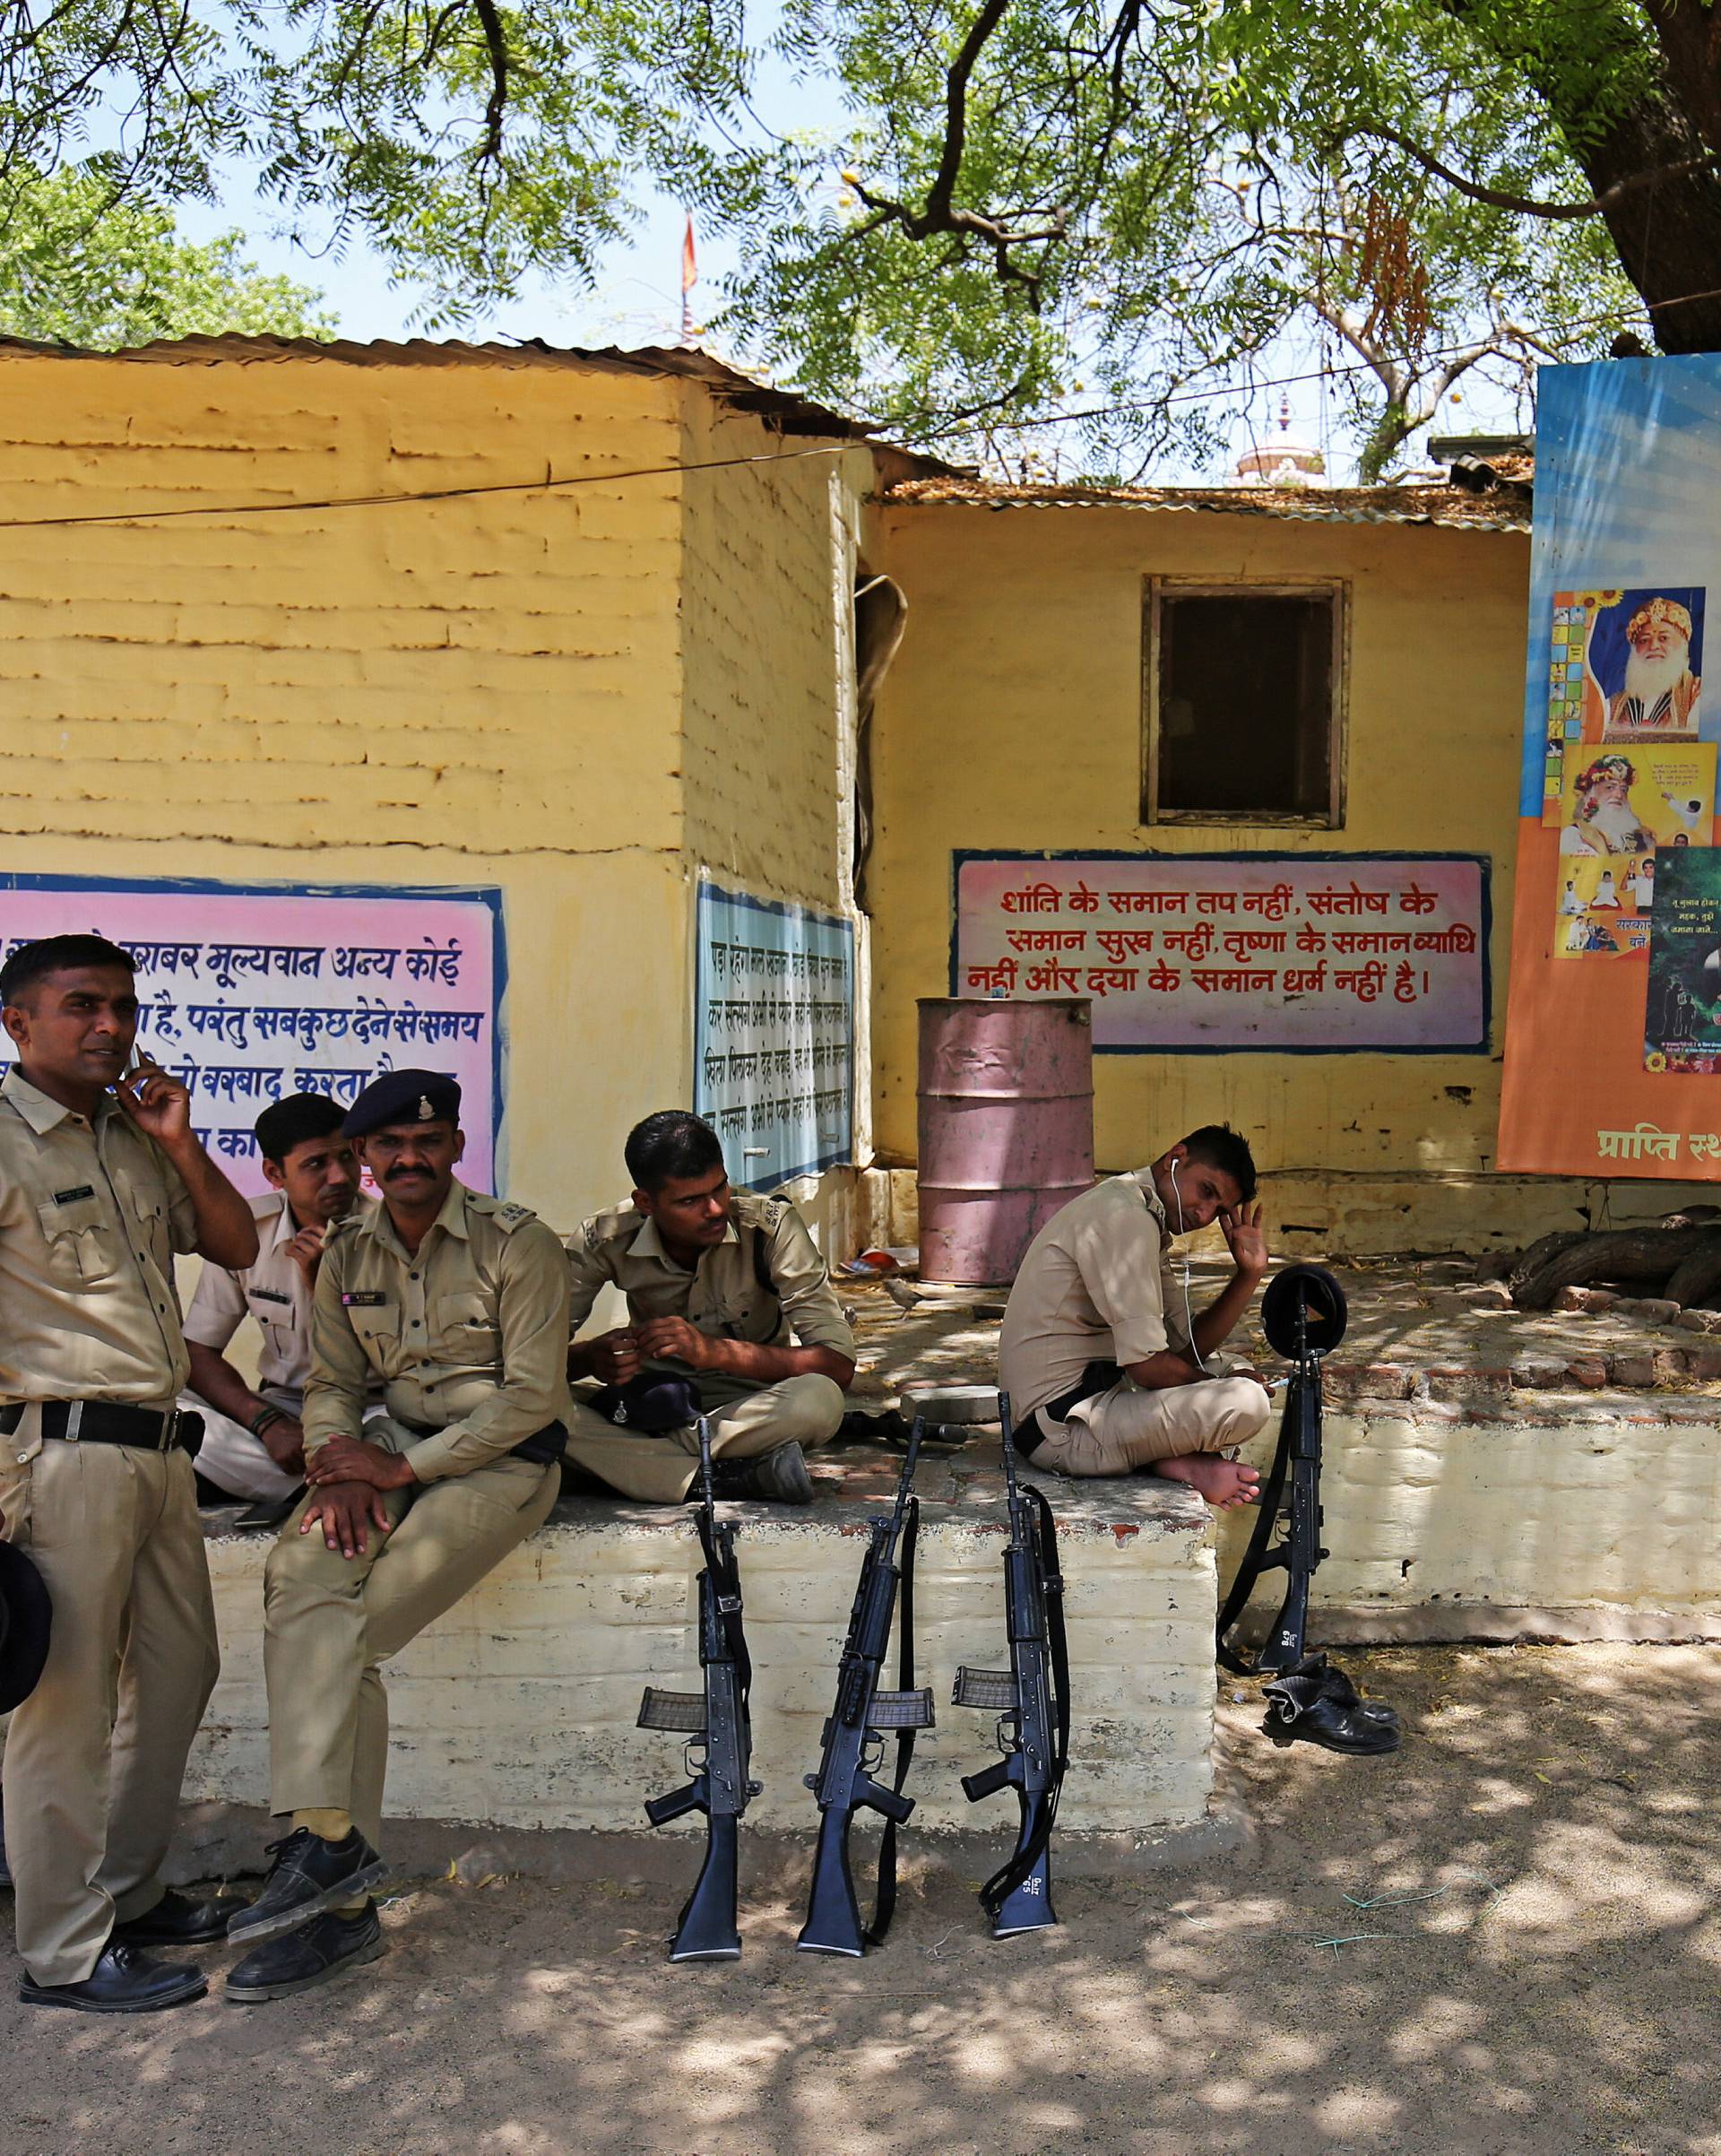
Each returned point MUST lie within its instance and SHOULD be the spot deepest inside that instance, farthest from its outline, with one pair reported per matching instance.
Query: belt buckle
(170, 1439)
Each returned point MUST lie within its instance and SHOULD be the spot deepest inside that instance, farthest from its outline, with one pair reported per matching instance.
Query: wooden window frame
(1157, 590)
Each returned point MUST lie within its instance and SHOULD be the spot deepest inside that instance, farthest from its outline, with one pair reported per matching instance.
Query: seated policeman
(458, 1304)
(253, 1444)
(1106, 1369)
(724, 1290)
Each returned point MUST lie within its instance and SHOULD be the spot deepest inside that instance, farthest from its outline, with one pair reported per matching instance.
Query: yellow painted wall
(475, 691)
(583, 695)
(1013, 718)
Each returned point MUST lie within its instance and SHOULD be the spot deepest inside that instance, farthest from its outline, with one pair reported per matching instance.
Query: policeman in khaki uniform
(1107, 1369)
(458, 1304)
(724, 1291)
(101, 1182)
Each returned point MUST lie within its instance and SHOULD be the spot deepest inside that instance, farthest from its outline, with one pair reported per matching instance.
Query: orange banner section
(1584, 1103)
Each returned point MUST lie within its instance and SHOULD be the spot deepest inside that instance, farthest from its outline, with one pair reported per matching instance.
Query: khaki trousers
(1127, 1428)
(237, 1462)
(660, 1466)
(95, 1756)
(330, 1622)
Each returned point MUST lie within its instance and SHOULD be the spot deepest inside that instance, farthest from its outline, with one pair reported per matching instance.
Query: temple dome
(1285, 460)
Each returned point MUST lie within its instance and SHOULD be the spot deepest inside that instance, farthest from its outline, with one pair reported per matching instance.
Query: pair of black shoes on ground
(1316, 1701)
(300, 1935)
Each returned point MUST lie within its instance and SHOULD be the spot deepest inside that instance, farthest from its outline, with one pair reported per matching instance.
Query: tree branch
(1523, 206)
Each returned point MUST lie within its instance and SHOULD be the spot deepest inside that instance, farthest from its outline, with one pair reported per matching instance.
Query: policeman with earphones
(1108, 1367)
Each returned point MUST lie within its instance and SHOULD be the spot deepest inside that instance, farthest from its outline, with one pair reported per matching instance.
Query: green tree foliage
(1109, 206)
(78, 268)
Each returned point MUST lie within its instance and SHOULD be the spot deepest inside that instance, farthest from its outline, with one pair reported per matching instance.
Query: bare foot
(1225, 1484)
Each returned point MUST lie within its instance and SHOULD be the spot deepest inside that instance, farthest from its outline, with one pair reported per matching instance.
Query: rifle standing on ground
(1034, 1693)
(706, 1930)
(854, 1742)
(1303, 1315)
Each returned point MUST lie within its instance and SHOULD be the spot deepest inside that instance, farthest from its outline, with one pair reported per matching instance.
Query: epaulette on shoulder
(766, 1213)
(348, 1223)
(605, 1228)
(506, 1214)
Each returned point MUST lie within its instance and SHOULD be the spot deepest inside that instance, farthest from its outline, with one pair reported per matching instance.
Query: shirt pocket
(82, 1248)
(378, 1326)
(465, 1329)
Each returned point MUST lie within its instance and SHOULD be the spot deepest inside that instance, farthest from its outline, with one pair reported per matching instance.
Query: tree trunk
(1637, 1254)
(1668, 235)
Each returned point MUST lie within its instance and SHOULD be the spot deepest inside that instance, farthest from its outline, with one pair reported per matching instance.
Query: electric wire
(551, 485)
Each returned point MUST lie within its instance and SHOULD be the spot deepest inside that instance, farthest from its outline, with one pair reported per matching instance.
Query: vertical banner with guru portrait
(1613, 1013)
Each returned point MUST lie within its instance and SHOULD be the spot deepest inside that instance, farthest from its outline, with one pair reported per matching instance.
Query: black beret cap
(403, 1097)
(26, 1621)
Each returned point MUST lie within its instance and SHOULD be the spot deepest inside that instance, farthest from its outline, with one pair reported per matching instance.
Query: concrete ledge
(1594, 1521)
(518, 1709)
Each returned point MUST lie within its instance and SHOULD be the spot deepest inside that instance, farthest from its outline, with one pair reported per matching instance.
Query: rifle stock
(718, 1727)
(853, 1738)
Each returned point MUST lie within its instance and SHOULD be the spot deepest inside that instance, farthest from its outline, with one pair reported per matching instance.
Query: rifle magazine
(684, 1711)
(902, 1710)
(992, 1689)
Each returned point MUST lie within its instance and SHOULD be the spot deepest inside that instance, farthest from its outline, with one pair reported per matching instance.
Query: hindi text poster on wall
(250, 992)
(1292, 953)
(773, 1036)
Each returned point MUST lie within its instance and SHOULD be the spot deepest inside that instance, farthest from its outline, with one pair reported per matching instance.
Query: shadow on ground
(1553, 1991)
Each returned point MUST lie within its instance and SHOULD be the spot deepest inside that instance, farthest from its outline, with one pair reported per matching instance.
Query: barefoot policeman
(1107, 1368)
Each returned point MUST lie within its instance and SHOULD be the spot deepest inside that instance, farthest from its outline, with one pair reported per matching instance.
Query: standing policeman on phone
(101, 1182)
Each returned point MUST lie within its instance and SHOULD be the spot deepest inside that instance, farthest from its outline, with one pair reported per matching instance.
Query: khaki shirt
(722, 1295)
(91, 1216)
(469, 1337)
(275, 1292)
(1093, 1288)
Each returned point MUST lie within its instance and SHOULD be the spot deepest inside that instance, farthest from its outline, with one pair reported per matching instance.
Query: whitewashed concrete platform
(517, 1709)
(1581, 1517)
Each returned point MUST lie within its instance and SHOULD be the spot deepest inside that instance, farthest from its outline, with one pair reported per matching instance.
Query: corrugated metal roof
(1448, 507)
(793, 414)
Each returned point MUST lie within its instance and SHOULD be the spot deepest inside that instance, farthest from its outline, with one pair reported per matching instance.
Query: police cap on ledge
(403, 1097)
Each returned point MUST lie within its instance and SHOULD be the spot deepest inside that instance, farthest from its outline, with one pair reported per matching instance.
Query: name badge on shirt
(271, 1294)
(84, 1189)
(364, 1298)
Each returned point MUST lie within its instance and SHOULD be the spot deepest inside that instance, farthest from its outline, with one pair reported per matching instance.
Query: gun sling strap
(725, 1588)
(1257, 1558)
(1004, 1882)
(885, 1905)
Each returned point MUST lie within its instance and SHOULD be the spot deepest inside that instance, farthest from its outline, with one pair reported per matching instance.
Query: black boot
(309, 1875)
(176, 1921)
(781, 1473)
(323, 1949)
(124, 1981)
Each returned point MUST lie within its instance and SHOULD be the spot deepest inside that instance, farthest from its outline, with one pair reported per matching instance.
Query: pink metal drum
(1006, 1128)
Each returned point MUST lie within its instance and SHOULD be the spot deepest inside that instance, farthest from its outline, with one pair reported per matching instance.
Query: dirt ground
(1537, 1975)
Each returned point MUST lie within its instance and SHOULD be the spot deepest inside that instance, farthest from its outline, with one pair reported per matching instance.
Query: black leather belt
(100, 1423)
(541, 1448)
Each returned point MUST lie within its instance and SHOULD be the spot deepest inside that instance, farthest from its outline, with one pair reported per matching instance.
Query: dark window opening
(1245, 723)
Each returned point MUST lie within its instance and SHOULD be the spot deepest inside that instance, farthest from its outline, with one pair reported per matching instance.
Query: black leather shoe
(781, 1473)
(1318, 1702)
(175, 1921)
(124, 1981)
(321, 1950)
(309, 1875)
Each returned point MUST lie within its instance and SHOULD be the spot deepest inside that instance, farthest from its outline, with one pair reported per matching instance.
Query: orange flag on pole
(690, 263)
